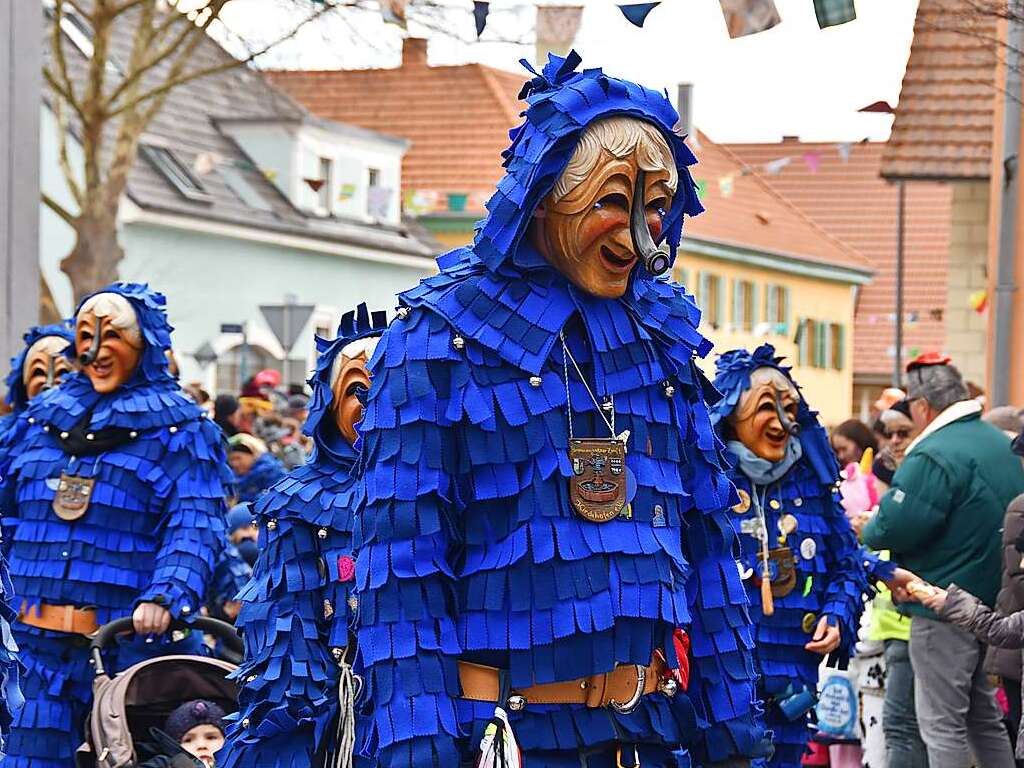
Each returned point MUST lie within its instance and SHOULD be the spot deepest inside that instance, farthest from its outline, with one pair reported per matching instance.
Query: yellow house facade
(807, 318)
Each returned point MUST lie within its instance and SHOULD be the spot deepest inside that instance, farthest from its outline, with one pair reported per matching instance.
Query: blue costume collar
(761, 471)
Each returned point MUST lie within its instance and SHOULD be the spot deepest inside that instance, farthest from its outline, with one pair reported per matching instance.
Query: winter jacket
(943, 515)
(1002, 661)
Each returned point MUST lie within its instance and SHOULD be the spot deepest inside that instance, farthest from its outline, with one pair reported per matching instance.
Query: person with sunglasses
(898, 429)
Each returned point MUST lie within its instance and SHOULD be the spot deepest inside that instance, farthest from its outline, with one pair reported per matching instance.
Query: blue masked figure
(255, 467)
(806, 575)
(296, 701)
(40, 366)
(117, 480)
(546, 505)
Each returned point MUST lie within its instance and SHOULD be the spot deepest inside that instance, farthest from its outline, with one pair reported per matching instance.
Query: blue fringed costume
(266, 471)
(468, 547)
(150, 533)
(831, 579)
(298, 609)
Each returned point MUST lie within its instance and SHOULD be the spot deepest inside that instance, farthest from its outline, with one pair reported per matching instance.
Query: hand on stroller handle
(106, 635)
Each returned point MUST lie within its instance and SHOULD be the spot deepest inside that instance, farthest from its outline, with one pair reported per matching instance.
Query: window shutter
(737, 304)
(802, 326)
(822, 344)
(771, 297)
(720, 309)
(785, 312)
(755, 313)
(840, 351)
(702, 295)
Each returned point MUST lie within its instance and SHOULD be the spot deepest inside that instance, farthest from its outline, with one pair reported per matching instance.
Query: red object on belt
(681, 641)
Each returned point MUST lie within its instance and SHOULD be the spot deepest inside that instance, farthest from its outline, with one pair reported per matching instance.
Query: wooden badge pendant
(71, 501)
(782, 566)
(597, 487)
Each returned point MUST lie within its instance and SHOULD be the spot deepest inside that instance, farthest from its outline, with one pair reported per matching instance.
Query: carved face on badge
(108, 341)
(45, 365)
(583, 226)
(756, 420)
(351, 381)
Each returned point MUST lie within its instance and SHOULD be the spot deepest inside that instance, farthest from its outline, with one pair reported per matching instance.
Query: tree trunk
(92, 263)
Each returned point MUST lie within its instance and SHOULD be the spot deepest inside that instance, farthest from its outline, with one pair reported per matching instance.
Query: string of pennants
(811, 158)
(742, 17)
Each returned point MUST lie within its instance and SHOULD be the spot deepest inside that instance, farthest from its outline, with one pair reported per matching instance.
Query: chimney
(684, 106)
(414, 52)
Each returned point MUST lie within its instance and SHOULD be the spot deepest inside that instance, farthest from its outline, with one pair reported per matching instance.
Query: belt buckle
(627, 707)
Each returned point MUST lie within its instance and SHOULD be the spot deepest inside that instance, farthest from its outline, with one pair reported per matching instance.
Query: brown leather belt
(60, 618)
(621, 689)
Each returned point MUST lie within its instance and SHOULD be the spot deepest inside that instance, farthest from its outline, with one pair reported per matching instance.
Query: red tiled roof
(757, 216)
(944, 120)
(457, 117)
(420, 103)
(851, 201)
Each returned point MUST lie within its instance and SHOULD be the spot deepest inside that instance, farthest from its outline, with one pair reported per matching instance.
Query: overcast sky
(791, 80)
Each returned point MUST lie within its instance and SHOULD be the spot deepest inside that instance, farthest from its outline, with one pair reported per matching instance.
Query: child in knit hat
(192, 735)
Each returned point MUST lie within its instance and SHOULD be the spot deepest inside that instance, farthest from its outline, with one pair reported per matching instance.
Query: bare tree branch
(177, 77)
(62, 153)
(59, 209)
(61, 82)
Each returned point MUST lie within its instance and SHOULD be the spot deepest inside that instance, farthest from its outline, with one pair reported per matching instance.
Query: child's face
(203, 742)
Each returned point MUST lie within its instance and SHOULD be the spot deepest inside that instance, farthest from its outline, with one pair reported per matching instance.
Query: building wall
(966, 334)
(210, 280)
(827, 389)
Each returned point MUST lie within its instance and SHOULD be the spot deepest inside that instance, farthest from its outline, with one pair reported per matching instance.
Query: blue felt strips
(831, 579)
(468, 547)
(298, 608)
(152, 531)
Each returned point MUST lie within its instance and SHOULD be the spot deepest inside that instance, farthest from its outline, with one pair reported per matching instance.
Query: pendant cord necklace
(566, 357)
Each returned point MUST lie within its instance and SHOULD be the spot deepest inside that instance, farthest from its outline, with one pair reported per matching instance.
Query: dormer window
(175, 172)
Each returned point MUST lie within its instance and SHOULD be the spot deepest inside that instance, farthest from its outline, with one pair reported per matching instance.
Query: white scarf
(955, 412)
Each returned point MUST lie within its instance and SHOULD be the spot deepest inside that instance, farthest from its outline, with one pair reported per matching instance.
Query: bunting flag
(702, 188)
(393, 12)
(314, 184)
(748, 17)
(833, 12)
(480, 11)
(378, 201)
(637, 14)
(726, 185)
(557, 26)
(813, 161)
(346, 192)
(776, 166)
(844, 151)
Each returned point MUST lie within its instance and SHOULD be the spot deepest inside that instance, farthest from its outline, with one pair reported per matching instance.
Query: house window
(837, 346)
(776, 309)
(744, 305)
(324, 193)
(378, 198)
(174, 172)
(710, 298)
(806, 342)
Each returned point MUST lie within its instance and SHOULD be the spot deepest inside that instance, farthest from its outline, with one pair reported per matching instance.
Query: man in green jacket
(942, 519)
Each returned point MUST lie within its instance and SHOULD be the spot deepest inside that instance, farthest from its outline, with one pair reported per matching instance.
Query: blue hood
(562, 103)
(328, 444)
(150, 398)
(17, 397)
(732, 379)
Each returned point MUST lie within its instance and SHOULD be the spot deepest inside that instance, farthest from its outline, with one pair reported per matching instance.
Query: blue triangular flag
(637, 13)
(480, 11)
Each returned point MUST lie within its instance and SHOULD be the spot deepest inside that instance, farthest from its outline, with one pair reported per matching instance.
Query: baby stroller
(127, 704)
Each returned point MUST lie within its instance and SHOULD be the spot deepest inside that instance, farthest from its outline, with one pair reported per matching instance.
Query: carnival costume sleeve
(193, 523)
(848, 578)
(407, 638)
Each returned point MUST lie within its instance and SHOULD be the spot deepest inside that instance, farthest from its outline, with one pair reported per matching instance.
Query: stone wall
(966, 330)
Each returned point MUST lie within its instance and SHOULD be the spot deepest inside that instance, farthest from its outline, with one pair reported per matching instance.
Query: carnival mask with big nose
(765, 418)
(108, 341)
(351, 382)
(45, 365)
(589, 227)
